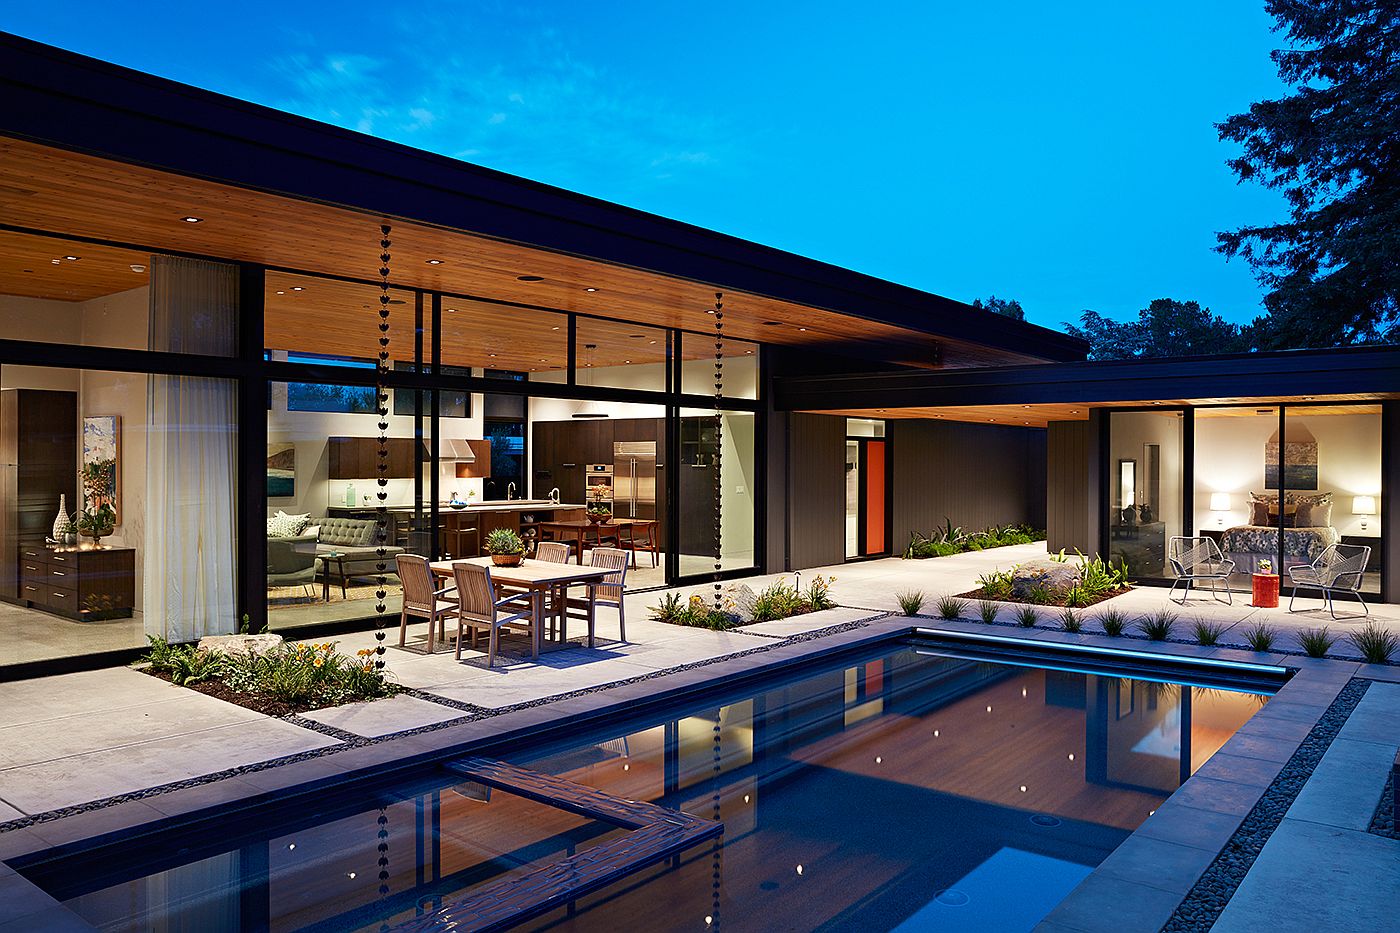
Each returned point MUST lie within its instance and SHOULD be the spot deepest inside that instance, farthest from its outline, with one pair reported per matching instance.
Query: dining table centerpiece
(507, 549)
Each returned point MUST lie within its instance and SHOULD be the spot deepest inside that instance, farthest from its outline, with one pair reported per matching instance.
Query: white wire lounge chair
(1195, 561)
(1338, 568)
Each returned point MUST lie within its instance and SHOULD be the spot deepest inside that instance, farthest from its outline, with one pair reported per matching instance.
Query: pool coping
(1280, 726)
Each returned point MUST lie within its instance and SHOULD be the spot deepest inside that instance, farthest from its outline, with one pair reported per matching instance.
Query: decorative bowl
(507, 560)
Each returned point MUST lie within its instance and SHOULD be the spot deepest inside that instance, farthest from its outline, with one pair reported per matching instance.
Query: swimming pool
(906, 788)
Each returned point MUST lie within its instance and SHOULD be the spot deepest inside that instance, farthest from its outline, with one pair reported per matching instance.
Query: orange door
(874, 477)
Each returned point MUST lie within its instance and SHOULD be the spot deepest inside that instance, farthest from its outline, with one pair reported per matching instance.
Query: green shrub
(951, 539)
(1316, 642)
(777, 601)
(950, 607)
(1158, 625)
(1025, 616)
(1069, 620)
(996, 584)
(987, 610)
(185, 665)
(696, 613)
(1259, 636)
(1376, 644)
(1207, 633)
(818, 595)
(309, 675)
(671, 608)
(1113, 622)
(910, 602)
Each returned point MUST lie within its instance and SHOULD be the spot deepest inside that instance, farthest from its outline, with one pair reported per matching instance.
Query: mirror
(1127, 484)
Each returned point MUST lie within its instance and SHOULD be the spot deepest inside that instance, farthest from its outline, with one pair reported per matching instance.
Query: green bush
(1259, 636)
(910, 602)
(950, 607)
(309, 675)
(1113, 622)
(995, 584)
(1158, 626)
(185, 665)
(697, 613)
(778, 601)
(1069, 620)
(1207, 633)
(951, 539)
(1025, 616)
(1317, 642)
(1375, 643)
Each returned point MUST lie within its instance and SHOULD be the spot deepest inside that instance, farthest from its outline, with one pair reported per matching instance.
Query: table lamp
(1363, 506)
(1220, 502)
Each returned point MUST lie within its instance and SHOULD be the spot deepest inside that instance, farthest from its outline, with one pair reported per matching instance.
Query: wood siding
(816, 491)
(1072, 517)
(972, 474)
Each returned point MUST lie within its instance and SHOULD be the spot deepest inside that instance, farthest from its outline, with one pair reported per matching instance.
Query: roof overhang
(77, 103)
(1353, 373)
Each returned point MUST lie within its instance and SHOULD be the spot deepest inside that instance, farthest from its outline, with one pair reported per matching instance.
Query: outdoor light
(1363, 506)
(1220, 502)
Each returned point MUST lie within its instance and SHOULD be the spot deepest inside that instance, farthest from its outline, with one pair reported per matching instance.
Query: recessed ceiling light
(135, 267)
(590, 289)
(530, 278)
(70, 258)
(281, 293)
(711, 311)
(57, 262)
(651, 341)
(297, 288)
(433, 262)
(192, 220)
(749, 352)
(556, 327)
(801, 328)
(452, 310)
(543, 360)
(492, 355)
(626, 361)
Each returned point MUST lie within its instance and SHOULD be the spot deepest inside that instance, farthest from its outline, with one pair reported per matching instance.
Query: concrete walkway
(1321, 869)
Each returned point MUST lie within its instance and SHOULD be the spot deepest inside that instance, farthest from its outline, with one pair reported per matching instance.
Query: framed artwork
(102, 457)
(281, 469)
(1298, 457)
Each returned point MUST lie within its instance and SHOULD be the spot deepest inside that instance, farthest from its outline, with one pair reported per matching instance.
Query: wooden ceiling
(57, 191)
(36, 267)
(1038, 416)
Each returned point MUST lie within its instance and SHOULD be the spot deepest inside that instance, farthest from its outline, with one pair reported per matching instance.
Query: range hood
(456, 449)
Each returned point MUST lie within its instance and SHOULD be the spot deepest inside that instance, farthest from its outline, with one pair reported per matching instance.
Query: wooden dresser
(83, 585)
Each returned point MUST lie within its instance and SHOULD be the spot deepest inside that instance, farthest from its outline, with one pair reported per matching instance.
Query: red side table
(1265, 586)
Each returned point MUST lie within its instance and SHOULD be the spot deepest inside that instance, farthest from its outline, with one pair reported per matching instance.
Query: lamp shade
(1220, 502)
(1363, 505)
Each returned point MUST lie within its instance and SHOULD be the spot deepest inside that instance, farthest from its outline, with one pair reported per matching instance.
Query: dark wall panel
(1072, 518)
(974, 474)
(1390, 515)
(816, 490)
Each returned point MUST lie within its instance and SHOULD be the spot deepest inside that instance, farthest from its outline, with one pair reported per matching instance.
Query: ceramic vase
(60, 523)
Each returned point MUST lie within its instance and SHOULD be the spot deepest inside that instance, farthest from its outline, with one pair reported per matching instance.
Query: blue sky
(1063, 155)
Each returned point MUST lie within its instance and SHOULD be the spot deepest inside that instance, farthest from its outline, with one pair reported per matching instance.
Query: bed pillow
(1260, 504)
(1314, 511)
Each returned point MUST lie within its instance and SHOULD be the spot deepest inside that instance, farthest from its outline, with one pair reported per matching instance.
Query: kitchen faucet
(510, 491)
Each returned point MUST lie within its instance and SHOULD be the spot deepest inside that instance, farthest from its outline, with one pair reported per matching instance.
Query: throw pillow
(313, 531)
(1314, 514)
(297, 522)
(1259, 513)
(282, 525)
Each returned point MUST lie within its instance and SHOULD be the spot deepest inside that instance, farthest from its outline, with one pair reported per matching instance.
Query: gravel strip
(1205, 901)
(1383, 823)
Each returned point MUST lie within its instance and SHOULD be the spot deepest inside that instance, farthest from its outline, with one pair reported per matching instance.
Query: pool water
(904, 790)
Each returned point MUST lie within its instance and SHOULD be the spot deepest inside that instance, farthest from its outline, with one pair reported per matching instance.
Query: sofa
(355, 538)
(292, 561)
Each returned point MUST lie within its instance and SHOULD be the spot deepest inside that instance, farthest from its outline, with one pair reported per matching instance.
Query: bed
(1249, 544)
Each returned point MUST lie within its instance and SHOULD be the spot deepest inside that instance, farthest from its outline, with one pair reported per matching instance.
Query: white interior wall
(1129, 433)
(1230, 458)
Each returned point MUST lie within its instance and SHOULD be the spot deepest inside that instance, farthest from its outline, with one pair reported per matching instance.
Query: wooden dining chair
(556, 552)
(650, 539)
(612, 588)
(420, 600)
(478, 608)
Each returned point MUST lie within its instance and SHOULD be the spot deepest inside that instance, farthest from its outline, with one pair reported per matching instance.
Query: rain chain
(718, 312)
(712, 921)
(381, 533)
(383, 836)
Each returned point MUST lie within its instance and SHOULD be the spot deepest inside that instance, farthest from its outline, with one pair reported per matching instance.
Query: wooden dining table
(577, 531)
(541, 579)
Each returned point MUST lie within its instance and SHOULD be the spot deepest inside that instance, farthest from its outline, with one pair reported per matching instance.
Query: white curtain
(191, 455)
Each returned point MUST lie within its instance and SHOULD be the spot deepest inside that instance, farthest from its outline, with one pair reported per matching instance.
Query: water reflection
(889, 792)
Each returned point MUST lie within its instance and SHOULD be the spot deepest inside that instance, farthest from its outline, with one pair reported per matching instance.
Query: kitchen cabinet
(358, 457)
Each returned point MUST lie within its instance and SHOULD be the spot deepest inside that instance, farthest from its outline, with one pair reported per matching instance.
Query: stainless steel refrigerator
(634, 479)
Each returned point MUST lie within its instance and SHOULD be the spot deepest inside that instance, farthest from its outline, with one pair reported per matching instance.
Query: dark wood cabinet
(80, 584)
(358, 458)
(38, 464)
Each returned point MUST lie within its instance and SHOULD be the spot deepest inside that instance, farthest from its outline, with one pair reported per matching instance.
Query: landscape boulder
(240, 645)
(1051, 576)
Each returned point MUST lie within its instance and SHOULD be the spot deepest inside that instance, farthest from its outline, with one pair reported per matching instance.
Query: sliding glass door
(1146, 487)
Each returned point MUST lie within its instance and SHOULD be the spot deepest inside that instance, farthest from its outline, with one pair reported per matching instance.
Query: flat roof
(82, 104)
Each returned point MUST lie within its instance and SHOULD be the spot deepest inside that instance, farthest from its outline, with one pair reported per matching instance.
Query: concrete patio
(77, 743)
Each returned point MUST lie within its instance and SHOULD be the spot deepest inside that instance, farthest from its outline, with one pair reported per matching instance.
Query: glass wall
(1145, 465)
(717, 459)
(118, 490)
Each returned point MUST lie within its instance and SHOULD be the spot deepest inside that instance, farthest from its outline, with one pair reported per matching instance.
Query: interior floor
(30, 635)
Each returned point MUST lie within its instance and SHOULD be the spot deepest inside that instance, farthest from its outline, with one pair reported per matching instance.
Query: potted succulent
(505, 547)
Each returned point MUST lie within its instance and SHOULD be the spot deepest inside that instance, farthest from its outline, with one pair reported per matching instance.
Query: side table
(326, 559)
(1265, 590)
